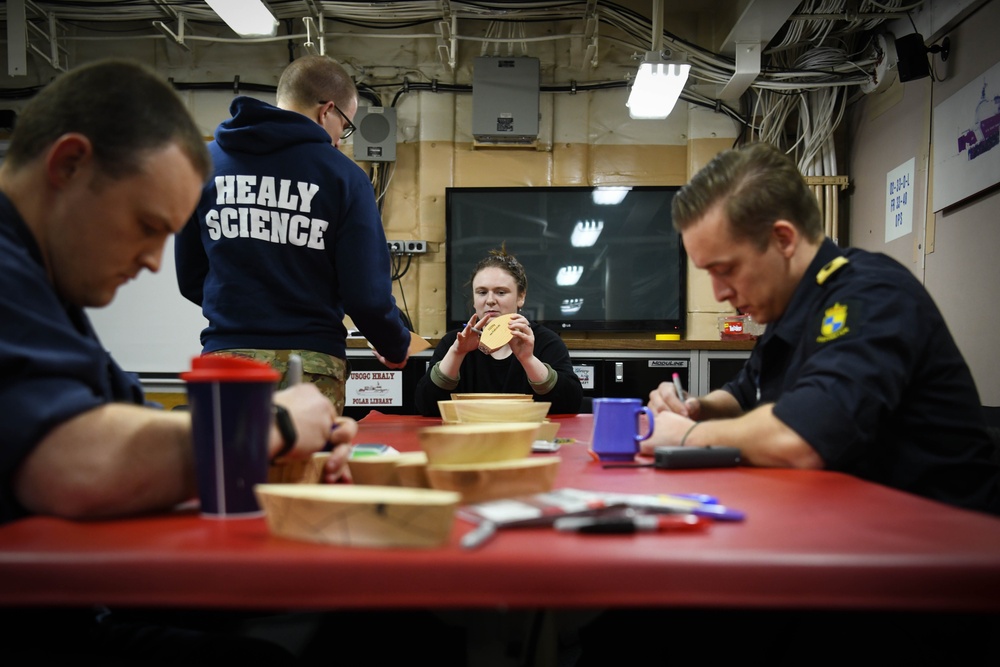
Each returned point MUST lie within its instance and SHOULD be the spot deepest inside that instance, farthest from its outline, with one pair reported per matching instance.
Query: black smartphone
(696, 457)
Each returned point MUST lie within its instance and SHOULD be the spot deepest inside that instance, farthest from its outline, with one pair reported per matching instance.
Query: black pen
(632, 524)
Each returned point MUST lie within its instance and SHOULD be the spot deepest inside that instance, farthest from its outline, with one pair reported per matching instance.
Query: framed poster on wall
(967, 140)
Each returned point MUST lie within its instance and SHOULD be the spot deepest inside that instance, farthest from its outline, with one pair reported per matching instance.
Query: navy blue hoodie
(286, 239)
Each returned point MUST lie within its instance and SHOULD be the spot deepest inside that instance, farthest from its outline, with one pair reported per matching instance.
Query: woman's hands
(523, 342)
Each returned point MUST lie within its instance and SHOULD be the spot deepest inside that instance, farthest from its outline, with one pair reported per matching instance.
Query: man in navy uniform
(856, 372)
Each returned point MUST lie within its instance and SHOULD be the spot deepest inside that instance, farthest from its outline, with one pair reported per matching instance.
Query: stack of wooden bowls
(486, 461)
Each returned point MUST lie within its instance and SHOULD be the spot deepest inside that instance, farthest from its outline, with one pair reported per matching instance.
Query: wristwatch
(286, 427)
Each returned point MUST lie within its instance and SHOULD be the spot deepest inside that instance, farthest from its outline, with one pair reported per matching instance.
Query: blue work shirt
(863, 367)
(52, 366)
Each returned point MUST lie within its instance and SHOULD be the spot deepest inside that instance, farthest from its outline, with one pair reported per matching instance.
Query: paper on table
(417, 344)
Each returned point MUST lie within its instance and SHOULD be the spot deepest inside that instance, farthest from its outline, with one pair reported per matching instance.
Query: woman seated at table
(535, 361)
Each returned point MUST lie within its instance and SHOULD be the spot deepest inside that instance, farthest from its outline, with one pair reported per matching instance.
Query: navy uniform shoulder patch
(835, 265)
(834, 322)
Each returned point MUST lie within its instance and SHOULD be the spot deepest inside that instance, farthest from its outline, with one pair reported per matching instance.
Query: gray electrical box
(375, 140)
(505, 100)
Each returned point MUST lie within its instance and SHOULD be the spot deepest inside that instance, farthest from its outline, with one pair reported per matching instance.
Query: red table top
(811, 539)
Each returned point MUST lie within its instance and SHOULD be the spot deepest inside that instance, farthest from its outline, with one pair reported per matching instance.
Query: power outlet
(407, 247)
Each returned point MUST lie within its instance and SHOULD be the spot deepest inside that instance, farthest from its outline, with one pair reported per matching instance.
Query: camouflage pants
(327, 372)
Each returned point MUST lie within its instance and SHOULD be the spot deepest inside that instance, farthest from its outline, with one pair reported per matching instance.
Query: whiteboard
(150, 327)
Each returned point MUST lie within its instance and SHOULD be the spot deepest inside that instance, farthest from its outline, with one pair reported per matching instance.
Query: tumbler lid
(222, 368)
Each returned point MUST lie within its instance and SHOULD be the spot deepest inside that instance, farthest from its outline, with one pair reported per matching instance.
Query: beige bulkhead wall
(585, 138)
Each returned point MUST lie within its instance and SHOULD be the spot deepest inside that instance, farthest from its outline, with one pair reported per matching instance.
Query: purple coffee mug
(616, 428)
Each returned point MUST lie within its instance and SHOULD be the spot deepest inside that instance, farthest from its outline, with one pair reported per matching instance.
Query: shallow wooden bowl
(489, 481)
(376, 470)
(314, 471)
(547, 431)
(385, 470)
(491, 397)
(411, 470)
(449, 413)
(496, 411)
(288, 471)
(477, 443)
(360, 516)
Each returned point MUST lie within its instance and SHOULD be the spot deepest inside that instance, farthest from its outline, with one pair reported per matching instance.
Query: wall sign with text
(372, 388)
(899, 201)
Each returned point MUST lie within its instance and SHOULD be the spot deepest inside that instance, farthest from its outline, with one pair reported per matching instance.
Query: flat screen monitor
(597, 258)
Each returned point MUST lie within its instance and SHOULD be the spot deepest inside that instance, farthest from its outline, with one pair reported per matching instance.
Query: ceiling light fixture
(659, 82)
(657, 87)
(247, 18)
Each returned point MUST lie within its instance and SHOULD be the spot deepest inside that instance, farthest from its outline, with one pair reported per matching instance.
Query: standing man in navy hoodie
(287, 237)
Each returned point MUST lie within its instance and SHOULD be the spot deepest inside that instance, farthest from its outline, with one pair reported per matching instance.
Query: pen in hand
(681, 394)
(294, 374)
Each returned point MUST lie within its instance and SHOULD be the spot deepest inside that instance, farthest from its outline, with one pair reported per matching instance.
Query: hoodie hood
(260, 128)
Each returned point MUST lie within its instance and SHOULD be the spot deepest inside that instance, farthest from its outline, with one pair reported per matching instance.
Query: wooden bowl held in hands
(360, 516)
(477, 443)
(496, 334)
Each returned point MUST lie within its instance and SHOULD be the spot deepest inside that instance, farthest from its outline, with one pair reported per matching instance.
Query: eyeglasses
(349, 127)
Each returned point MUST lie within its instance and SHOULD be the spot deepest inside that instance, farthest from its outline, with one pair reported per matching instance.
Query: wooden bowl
(496, 334)
(360, 516)
(493, 411)
(411, 470)
(491, 397)
(477, 443)
(288, 471)
(384, 470)
(449, 413)
(314, 471)
(547, 431)
(489, 481)
(375, 470)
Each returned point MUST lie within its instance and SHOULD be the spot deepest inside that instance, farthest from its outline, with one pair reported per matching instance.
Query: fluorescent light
(585, 233)
(609, 195)
(657, 87)
(569, 275)
(248, 18)
(571, 306)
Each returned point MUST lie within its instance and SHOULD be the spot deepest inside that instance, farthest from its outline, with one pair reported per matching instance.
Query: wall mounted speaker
(375, 139)
(912, 57)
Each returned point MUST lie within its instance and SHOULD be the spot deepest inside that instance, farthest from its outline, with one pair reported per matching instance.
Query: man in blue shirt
(287, 237)
(104, 165)
(856, 372)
